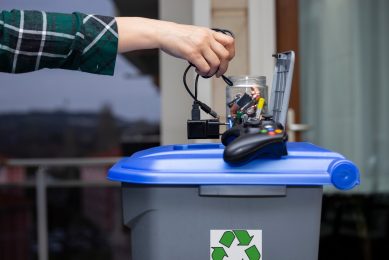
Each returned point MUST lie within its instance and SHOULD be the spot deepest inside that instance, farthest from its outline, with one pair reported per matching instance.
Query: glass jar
(247, 97)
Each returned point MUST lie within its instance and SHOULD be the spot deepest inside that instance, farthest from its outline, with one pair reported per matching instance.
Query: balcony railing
(13, 173)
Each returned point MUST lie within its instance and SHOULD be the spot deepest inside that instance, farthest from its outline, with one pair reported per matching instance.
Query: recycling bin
(175, 197)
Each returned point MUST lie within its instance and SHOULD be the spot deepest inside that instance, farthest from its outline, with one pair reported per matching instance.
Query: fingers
(201, 65)
(217, 52)
(213, 61)
(209, 51)
(223, 55)
(227, 41)
(224, 47)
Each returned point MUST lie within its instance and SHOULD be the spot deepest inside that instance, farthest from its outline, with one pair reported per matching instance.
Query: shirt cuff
(99, 44)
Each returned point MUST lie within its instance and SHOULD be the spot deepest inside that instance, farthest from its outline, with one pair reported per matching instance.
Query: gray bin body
(174, 222)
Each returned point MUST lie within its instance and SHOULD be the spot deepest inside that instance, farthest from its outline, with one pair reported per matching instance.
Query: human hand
(209, 51)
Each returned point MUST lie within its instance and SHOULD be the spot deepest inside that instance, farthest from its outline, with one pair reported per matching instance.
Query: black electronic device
(254, 139)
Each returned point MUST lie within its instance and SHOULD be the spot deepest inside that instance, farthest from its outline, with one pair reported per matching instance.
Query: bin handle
(242, 190)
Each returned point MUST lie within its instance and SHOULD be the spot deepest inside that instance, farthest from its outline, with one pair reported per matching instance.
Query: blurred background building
(61, 130)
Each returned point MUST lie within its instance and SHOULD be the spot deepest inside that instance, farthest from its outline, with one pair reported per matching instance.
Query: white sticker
(236, 244)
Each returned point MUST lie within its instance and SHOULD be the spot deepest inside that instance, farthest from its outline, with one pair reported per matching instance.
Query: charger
(198, 128)
(203, 129)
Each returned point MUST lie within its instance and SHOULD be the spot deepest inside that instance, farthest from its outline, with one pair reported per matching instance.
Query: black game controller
(254, 138)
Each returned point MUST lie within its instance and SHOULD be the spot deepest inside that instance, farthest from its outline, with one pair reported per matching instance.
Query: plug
(195, 111)
(207, 109)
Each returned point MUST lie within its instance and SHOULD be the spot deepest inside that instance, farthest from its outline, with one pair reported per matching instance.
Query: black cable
(202, 105)
(225, 31)
(196, 83)
(207, 109)
(186, 85)
(227, 81)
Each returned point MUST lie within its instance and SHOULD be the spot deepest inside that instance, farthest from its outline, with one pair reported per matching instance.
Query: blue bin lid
(197, 164)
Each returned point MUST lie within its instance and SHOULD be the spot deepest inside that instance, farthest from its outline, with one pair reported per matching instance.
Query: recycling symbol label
(236, 244)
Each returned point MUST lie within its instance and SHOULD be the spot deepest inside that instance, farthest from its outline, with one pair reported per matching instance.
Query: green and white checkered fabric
(32, 40)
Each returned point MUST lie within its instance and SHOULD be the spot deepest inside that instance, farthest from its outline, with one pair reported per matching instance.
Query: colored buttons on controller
(278, 131)
(271, 133)
(263, 131)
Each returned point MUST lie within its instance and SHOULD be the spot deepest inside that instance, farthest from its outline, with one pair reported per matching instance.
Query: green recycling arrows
(244, 239)
(227, 239)
(253, 253)
(218, 253)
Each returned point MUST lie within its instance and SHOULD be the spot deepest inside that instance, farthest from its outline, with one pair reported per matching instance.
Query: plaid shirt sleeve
(32, 40)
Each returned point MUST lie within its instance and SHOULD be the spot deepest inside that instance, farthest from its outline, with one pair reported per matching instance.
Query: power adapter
(203, 129)
(198, 128)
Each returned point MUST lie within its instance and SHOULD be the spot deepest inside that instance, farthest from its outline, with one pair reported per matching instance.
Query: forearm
(137, 33)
